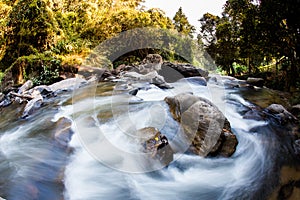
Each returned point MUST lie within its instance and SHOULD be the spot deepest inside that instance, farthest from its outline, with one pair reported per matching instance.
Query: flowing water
(102, 160)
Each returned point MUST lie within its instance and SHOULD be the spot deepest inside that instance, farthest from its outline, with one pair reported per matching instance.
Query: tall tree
(227, 48)
(207, 33)
(182, 24)
(280, 22)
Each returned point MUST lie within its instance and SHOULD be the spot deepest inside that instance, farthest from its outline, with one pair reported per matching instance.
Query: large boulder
(173, 72)
(156, 144)
(204, 126)
(256, 81)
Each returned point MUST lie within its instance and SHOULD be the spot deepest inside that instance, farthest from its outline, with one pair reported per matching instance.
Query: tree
(282, 33)
(182, 24)
(227, 49)
(31, 29)
(207, 33)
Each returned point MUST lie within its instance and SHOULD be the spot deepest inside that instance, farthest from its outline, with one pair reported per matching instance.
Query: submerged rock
(204, 126)
(156, 144)
(63, 131)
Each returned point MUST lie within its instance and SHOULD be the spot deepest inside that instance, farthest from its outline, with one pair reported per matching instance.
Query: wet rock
(152, 78)
(226, 144)
(32, 106)
(281, 114)
(226, 81)
(156, 144)
(173, 72)
(26, 86)
(203, 125)
(259, 82)
(133, 91)
(68, 84)
(255, 114)
(63, 131)
(195, 80)
(6, 101)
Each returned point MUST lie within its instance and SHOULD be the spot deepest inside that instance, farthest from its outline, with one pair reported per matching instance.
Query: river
(101, 162)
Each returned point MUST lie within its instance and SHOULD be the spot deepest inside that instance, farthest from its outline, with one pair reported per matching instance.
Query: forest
(251, 38)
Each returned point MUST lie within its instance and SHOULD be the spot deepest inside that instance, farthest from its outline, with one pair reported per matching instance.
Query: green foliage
(46, 76)
(240, 69)
(29, 24)
(40, 68)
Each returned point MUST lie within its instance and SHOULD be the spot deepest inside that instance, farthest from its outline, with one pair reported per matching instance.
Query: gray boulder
(203, 125)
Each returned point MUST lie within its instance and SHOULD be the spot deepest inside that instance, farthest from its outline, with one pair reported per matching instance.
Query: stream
(101, 160)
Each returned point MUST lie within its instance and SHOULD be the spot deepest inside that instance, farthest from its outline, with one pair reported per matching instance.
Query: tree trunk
(248, 65)
(232, 71)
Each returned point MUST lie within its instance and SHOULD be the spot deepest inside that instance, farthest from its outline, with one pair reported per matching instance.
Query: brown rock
(203, 125)
(156, 144)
